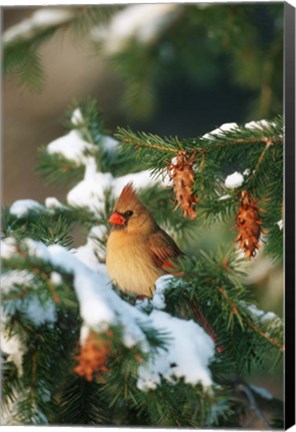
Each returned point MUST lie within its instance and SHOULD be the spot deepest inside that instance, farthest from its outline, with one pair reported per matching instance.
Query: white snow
(72, 147)
(234, 180)
(109, 144)
(53, 203)
(40, 19)
(77, 118)
(8, 248)
(226, 127)
(13, 278)
(161, 285)
(260, 124)
(50, 17)
(15, 349)
(36, 311)
(140, 179)
(56, 278)
(36, 248)
(264, 317)
(141, 22)
(40, 313)
(90, 192)
(224, 197)
(93, 251)
(21, 208)
(189, 351)
(280, 224)
(247, 172)
(262, 392)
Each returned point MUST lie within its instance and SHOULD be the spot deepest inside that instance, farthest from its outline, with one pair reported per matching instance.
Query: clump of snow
(93, 252)
(161, 285)
(264, 317)
(36, 311)
(22, 208)
(53, 203)
(189, 350)
(14, 278)
(36, 248)
(51, 17)
(247, 172)
(141, 22)
(72, 147)
(140, 179)
(90, 192)
(77, 118)
(40, 313)
(234, 180)
(8, 247)
(280, 224)
(260, 124)
(56, 278)
(109, 144)
(42, 18)
(15, 349)
(226, 127)
(224, 197)
(262, 392)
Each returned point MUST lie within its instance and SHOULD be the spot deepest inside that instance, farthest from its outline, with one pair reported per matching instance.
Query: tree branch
(249, 323)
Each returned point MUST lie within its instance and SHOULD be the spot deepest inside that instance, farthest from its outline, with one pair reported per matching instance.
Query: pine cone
(183, 179)
(248, 225)
(93, 356)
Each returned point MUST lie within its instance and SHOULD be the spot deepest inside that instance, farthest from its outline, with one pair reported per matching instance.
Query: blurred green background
(176, 69)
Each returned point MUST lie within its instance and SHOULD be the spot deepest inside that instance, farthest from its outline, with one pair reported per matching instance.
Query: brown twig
(143, 144)
(261, 157)
(202, 167)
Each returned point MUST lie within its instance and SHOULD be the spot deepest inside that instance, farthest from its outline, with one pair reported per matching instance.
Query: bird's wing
(164, 250)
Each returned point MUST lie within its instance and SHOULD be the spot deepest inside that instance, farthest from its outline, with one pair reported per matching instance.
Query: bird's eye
(128, 213)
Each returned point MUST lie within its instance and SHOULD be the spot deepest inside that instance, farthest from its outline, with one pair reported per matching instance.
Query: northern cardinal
(138, 250)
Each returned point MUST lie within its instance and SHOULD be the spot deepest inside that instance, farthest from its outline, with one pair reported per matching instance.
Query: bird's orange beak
(116, 219)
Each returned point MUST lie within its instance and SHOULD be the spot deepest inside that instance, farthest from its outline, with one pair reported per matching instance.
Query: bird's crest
(128, 197)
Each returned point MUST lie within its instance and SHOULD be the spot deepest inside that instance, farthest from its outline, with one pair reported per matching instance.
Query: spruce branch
(236, 311)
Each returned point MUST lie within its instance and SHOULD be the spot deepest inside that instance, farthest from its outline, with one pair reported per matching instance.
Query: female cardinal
(138, 250)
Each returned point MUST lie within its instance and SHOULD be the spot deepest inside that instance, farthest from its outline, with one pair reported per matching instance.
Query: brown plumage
(138, 250)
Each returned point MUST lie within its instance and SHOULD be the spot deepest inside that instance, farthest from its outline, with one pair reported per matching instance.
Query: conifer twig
(261, 157)
(250, 140)
(267, 140)
(249, 323)
(143, 144)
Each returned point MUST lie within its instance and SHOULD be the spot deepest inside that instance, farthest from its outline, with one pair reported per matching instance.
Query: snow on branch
(22, 208)
(72, 147)
(188, 349)
(40, 20)
(144, 23)
(90, 192)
